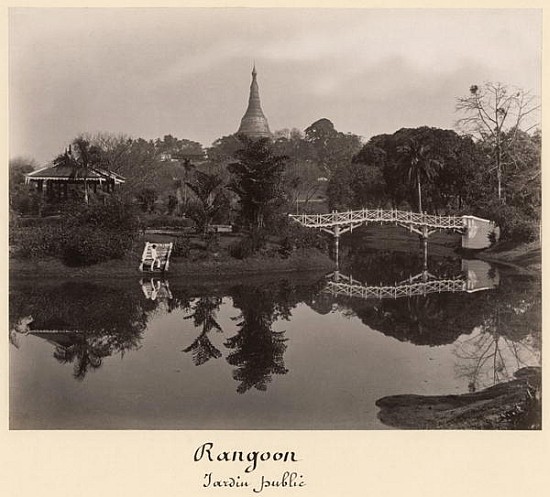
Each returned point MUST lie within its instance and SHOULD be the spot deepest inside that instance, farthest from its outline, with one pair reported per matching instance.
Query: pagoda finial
(254, 123)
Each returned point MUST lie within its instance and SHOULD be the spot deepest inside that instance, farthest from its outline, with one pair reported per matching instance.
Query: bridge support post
(425, 265)
(336, 231)
(336, 243)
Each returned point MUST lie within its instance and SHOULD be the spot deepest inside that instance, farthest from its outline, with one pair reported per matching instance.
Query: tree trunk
(86, 191)
(499, 169)
(419, 191)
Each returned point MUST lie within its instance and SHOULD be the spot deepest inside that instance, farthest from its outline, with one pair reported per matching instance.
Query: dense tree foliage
(303, 174)
(426, 169)
(449, 174)
(433, 165)
(257, 181)
(330, 148)
(223, 149)
(22, 200)
(211, 199)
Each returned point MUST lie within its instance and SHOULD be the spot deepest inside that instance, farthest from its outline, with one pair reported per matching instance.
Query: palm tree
(421, 164)
(187, 167)
(205, 315)
(211, 198)
(80, 156)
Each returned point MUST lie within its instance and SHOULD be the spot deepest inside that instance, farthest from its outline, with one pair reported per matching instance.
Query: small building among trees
(53, 182)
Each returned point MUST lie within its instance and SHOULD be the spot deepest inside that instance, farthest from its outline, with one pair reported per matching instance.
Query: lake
(287, 351)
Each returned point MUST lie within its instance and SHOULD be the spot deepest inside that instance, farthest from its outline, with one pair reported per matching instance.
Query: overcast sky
(186, 72)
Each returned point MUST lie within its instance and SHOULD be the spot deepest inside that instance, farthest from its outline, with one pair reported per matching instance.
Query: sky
(186, 72)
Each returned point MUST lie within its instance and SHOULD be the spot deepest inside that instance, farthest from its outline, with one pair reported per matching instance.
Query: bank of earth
(212, 266)
(523, 256)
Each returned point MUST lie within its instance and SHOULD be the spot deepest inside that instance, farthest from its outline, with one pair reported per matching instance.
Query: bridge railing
(396, 291)
(379, 215)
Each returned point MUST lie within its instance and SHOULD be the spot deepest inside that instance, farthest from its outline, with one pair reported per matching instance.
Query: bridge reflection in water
(476, 275)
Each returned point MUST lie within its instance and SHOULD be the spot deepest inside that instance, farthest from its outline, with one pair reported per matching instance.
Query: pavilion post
(42, 191)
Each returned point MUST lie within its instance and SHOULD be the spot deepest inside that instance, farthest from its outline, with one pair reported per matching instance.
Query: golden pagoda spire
(254, 123)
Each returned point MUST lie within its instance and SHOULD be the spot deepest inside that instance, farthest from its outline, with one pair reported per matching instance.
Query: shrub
(524, 230)
(29, 243)
(115, 215)
(147, 197)
(515, 225)
(248, 246)
(212, 241)
(25, 202)
(297, 237)
(86, 245)
(181, 247)
(84, 235)
(159, 221)
(38, 222)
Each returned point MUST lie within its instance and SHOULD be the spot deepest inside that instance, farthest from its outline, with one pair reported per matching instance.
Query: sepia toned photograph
(274, 219)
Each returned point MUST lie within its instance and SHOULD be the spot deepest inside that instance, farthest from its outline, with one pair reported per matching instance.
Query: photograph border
(332, 463)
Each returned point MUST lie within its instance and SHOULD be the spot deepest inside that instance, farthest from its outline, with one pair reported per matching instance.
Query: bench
(164, 250)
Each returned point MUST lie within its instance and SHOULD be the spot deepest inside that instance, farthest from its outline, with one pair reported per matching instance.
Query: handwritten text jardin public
(253, 457)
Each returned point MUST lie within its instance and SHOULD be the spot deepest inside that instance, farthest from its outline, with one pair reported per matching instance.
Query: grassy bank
(217, 263)
(523, 256)
(214, 266)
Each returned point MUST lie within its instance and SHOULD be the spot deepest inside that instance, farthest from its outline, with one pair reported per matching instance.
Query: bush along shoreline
(109, 238)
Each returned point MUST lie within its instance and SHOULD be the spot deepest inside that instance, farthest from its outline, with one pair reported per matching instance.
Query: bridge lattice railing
(396, 291)
(380, 216)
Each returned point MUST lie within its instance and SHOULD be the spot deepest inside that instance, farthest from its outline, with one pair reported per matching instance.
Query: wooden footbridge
(475, 231)
(476, 276)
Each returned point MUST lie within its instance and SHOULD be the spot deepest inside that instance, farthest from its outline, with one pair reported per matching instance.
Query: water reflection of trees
(438, 318)
(389, 267)
(507, 338)
(258, 350)
(434, 319)
(85, 322)
(204, 312)
(496, 332)
(85, 351)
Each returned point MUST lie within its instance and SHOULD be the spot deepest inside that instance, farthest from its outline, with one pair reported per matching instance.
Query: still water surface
(279, 352)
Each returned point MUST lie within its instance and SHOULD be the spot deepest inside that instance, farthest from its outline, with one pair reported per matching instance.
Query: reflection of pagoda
(254, 123)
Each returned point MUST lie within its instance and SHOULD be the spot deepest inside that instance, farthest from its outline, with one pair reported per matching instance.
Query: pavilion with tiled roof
(54, 180)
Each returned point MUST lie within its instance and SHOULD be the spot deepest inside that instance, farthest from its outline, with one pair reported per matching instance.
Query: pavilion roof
(74, 174)
(63, 338)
